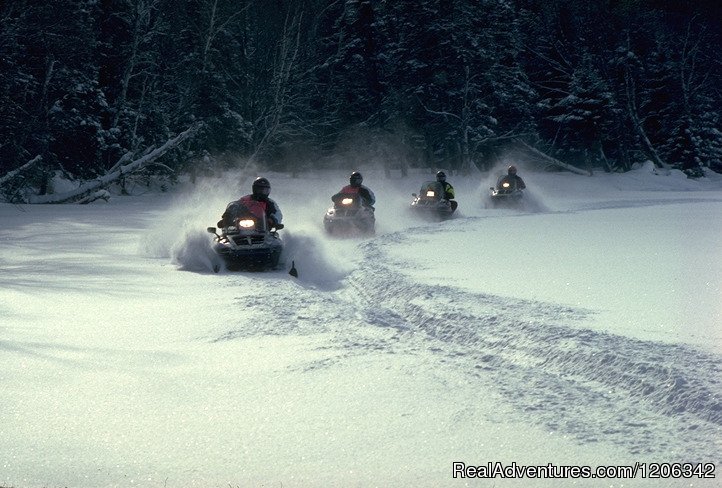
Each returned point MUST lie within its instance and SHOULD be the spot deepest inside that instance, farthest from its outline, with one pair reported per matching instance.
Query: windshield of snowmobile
(432, 190)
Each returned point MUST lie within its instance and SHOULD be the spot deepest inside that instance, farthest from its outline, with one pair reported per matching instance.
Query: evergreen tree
(52, 49)
(451, 83)
(455, 68)
(691, 126)
(130, 58)
(582, 116)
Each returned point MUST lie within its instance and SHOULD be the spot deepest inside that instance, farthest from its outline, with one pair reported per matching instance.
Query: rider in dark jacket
(514, 180)
(355, 187)
(448, 190)
(257, 203)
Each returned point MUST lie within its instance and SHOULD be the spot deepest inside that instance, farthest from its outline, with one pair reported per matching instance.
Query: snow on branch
(554, 161)
(15, 172)
(94, 185)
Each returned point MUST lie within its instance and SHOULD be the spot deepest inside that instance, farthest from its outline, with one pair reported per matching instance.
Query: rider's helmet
(511, 170)
(261, 187)
(441, 177)
(356, 179)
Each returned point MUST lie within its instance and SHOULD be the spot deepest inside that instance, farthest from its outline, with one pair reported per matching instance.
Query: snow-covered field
(585, 330)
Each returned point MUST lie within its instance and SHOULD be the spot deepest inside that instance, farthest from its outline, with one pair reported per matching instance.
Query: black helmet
(511, 170)
(261, 187)
(440, 176)
(356, 179)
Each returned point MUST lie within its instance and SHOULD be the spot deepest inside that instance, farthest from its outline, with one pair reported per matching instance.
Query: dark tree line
(291, 83)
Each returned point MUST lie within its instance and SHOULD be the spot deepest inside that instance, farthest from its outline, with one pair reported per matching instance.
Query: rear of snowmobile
(248, 244)
(349, 216)
(430, 204)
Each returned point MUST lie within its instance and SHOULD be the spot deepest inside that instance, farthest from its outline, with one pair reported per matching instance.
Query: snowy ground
(582, 331)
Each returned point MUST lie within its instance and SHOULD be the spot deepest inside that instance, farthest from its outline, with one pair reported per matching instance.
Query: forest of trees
(294, 84)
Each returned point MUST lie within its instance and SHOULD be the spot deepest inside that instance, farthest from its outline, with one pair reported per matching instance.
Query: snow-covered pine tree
(454, 68)
(581, 115)
(130, 64)
(69, 104)
(691, 126)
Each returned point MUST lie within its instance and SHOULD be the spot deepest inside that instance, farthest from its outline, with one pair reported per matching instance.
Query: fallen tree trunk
(121, 171)
(96, 195)
(12, 174)
(554, 161)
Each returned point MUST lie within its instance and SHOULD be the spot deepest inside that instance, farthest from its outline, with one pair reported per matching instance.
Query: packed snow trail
(653, 399)
(119, 369)
(661, 400)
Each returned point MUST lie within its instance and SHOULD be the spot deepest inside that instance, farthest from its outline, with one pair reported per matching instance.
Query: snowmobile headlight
(246, 223)
(347, 201)
(505, 184)
(430, 193)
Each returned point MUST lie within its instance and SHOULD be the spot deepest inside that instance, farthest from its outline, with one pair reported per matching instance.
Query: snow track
(389, 359)
(652, 399)
(655, 400)
(539, 360)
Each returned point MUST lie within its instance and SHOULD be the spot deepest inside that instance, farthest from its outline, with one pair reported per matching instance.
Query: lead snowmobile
(430, 202)
(349, 216)
(248, 243)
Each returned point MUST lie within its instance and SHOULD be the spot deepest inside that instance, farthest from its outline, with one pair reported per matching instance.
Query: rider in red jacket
(257, 203)
(355, 187)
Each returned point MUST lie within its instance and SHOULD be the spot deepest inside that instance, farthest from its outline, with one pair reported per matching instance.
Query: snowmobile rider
(257, 203)
(512, 178)
(355, 187)
(448, 190)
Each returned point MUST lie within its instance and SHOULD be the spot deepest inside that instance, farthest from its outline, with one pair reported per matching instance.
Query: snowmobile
(349, 216)
(248, 243)
(506, 194)
(430, 202)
